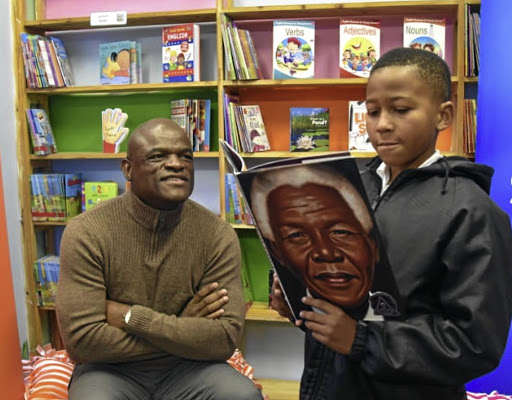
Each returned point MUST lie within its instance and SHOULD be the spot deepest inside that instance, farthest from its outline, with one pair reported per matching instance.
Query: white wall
(10, 164)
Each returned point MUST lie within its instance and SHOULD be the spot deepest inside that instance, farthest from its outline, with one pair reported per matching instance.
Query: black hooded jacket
(450, 248)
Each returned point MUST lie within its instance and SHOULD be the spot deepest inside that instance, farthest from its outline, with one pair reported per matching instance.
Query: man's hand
(335, 328)
(278, 302)
(116, 312)
(207, 302)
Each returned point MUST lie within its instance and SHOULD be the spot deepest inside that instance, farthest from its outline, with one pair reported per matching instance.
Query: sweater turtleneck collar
(149, 217)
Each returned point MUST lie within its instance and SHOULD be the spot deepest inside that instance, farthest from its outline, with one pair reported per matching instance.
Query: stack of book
(193, 116)
(45, 61)
(240, 58)
(46, 274)
(55, 197)
(472, 40)
(469, 139)
(236, 209)
(120, 63)
(245, 129)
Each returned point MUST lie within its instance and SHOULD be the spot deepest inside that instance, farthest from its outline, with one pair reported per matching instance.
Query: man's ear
(445, 115)
(126, 167)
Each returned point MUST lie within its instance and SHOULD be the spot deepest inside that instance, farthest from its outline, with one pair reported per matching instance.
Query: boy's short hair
(432, 68)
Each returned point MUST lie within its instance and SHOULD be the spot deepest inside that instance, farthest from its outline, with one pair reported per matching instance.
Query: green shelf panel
(257, 262)
(76, 119)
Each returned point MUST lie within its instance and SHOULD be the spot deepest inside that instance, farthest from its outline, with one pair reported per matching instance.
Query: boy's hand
(207, 302)
(278, 302)
(335, 328)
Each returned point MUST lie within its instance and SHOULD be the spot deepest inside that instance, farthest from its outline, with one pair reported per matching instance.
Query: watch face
(127, 316)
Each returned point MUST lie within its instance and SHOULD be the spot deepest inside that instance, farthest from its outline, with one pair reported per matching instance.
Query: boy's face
(404, 117)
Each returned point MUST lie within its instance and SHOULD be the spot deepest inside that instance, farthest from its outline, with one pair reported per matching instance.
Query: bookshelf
(73, 110)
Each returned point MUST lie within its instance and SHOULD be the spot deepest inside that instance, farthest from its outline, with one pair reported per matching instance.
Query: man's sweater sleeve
(81, 304)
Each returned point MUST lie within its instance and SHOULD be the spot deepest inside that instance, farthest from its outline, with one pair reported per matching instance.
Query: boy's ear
(445, 115)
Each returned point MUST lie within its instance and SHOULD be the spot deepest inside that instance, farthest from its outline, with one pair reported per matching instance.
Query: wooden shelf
(342, 10)
(262, 312)
(279, 389)
(124, 89)
(134, 19)
(105, 156)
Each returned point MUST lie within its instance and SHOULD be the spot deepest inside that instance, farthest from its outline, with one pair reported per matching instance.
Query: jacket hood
(454, 166)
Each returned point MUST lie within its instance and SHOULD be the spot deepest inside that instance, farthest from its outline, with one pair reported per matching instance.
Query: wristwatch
(127, 316)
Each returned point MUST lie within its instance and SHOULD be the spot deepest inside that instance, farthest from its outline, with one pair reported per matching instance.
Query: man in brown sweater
(142, 300)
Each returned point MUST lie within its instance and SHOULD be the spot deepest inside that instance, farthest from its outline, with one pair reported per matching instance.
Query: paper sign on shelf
(108, 18)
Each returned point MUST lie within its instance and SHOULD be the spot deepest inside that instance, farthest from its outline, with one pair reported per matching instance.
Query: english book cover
(293, 49)
(359, 47)
(426, 34)
(180, 53)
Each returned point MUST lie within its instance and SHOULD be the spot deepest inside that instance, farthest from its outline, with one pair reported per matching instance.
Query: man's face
(161, 169)
(403, 117)
(318, 237)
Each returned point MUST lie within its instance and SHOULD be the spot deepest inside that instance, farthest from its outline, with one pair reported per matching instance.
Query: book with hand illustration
(317, 227)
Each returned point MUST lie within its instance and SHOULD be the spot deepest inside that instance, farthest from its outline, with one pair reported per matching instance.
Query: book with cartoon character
(315, 222)
(359, 47)
(180, 53)
(116, 62)
(293, 49)
(425, 33)
(309, 129)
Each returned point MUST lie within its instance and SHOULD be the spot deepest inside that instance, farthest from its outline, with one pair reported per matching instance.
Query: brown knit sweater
(156, 260)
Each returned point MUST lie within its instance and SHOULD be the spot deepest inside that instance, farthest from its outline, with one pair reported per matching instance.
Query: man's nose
(173, 161)
(325, 250)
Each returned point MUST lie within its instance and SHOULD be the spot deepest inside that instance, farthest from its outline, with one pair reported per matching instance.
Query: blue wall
(494, 139)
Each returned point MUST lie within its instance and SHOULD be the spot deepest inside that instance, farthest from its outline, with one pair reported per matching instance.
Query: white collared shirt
(383, 169)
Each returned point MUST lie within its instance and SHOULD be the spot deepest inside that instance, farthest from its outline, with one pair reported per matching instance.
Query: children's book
(294, 49)
(113, 130)
(41, 134)
(317, 227)
(63, 60)
(180, 53)
(116, 62)
(94, 192)
(309, 129)
(358, 139)
(424, 33)
(359, 47)
(254, 128)
(46, 274)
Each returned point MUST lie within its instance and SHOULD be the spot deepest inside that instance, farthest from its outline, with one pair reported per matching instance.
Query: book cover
(72, 194)
(294, 49)
(320, 234)
(358, 139)
(116, 62)
(46, 274)
(359, 47)
(180, 53)
(254, 128)
(41, 134)
(113, 130)
(309, 129)
(204, 124)
(94, 192)
(63, 60)
(427, 34)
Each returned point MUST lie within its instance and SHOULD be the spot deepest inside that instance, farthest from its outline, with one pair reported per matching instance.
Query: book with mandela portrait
(318, 230)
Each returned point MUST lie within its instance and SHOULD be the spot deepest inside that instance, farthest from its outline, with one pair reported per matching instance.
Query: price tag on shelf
(108, 18)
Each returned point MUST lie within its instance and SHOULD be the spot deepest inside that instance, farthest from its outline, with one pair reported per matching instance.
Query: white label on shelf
(108, 18)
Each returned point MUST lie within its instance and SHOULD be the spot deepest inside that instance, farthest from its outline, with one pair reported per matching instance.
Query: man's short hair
(264, 183)
(432, 68)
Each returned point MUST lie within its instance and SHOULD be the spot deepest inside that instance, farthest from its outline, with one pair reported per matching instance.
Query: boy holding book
(449, 246)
